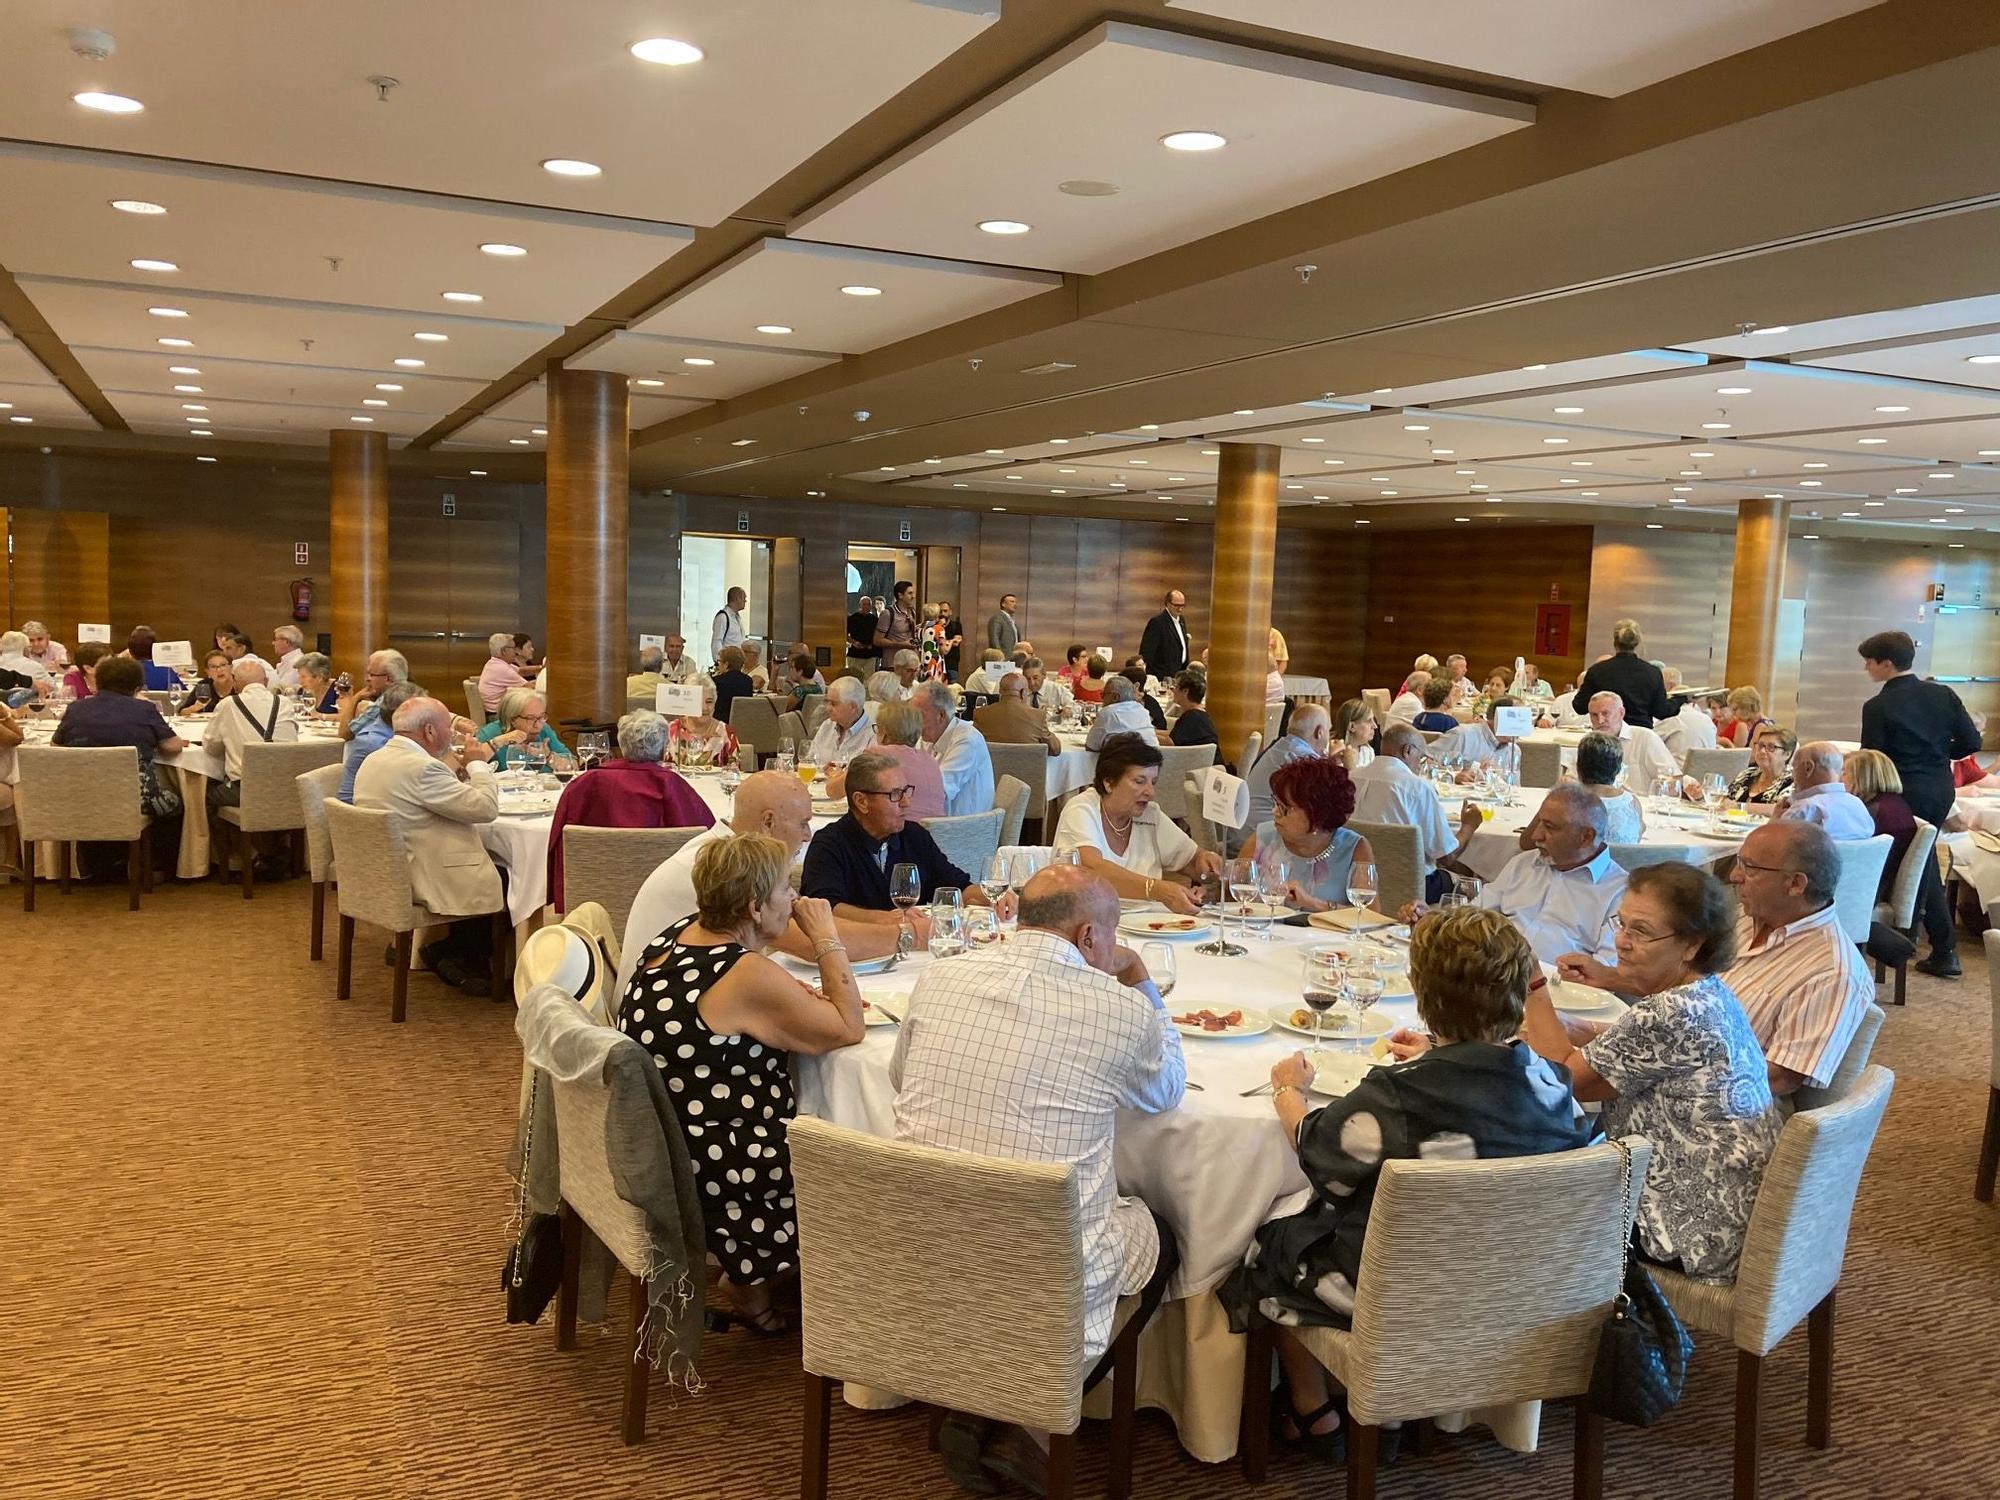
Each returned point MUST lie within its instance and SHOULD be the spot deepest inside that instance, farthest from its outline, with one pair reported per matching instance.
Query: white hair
(33, 627)
(499, 641)
(394, 663)
(243, 669)
(847, 690)
(1119, 690)
(1817, 761)
(938, 696)
(13, 643)
(642, 735)
(885, 687)
(290, 633)
(906, 658)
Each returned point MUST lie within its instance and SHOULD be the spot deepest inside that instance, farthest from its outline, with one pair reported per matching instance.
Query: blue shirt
(1325, 877)
(371, 733)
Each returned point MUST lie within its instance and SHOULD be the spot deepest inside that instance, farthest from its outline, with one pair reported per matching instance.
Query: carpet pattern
(251, 1242)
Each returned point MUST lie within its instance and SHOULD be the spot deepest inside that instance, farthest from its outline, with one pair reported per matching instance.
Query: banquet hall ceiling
(1450, 262)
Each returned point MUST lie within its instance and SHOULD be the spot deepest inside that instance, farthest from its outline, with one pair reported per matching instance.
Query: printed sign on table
(647, 642)
(675, 699)
(176, 654)
(93, 633)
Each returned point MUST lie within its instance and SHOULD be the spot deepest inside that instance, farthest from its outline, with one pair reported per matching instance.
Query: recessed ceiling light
(1954, 510)
(1461, 518)
(1871, 442)
(959, 484)
(1465, 471)
(406, 363)
(1415, 427)
(373, 401)
(774, 328)
(1732, 390)
(360, 419)
(1060, 442)
(1378, 478)
(648, 382)
(1479, 488)
(1983, 359)
(1941, 475)
(136, 206)
(1849, 515)
(22, 420)
(1989, 452)
(1142, 460)
(1004, 226)
(666, 51)
(697, 360)
(1939, 521)
(1217, 452)
(192, 406)
(538, 431)
(496, 247)
(1907, 489)
(1182, 479)
(1690, 474)
(1954, 544)
(477, 473)
(741, 442)
(1874, 504)
(1244, 411)
(518, 442)
(1011, 476)
(462, 297)
(386, 386)
(1581, 463)
(1811, 484)
(1534, 367)
(939, 461)
(1555, 442)
(1358, 521)
(1587, 494)
(1568, 411)
(1816, 464)
(168, 312)
(1683, 489)
(1715, 426)
(175, 343)
(1569, 481)
(203, 458)
(432, 338)
(109, 104)
(1654, 526)
(154, 265)
(1332, 461)
(1892, 408)
(1312, 440)
(861, 291)
(198, 421)
(188, 390)
(1194, 140)
(182, 370)
(564, 166)
(1774, 328)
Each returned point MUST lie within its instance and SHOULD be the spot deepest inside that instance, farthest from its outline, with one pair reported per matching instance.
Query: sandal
(770, 1323)
(1331, 1446)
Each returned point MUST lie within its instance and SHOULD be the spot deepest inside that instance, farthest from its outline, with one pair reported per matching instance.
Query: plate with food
(1164, 924)
(828, 807)
(1339, 1024)
(1220, 1024)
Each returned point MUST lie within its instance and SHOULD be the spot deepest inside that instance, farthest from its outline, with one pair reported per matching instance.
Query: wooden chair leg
(28, 853)
(1124, 1397)
(218, 848)
(1902, 980)
(1749, 1388)
(132, 875)
(319, 920)
(1424, 1437)
(500, 961)
(146, 859)
(819, 1415)
(1819, 1374)
(344, 983)
(1362, 1443)
(638, 1369)
(68, 852)
(1253, 1442)
(936, 1427)
(400, 992)
(1989, 1147)
(572, 1267)
(1062, 1465)
(1587, 1483)
(247, 861)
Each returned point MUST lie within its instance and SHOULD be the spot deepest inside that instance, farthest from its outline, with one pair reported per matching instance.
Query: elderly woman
(1600, 761)
(1311, 801)
(1117, 832)
(1425, 664)
(753, 665)
(1473, 1090)
(1436, 717)
(703, 738)
(883, 687)
(521, 728)
(215, 684)
(80, 681)
(1768, 777)
(316, 682)
(1074, 662)
(898, 730)
(731, 681)
(1873, 777)
(1746, 712)
(1681, 1067)
(634, 790)
(117, 714)
(707, 1003)
(1354, 733)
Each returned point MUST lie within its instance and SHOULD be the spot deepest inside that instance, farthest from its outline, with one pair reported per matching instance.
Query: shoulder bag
(1643, 1351)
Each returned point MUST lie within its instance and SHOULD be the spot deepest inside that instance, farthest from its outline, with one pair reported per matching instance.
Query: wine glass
(906, 888)
(1274, 873)
(731, 779)
(806, 769)
(1363, 987)
(1322, 980)
(1159, 961)
(998, 879)
(176, 695)
(947, 927)
(1361, 887)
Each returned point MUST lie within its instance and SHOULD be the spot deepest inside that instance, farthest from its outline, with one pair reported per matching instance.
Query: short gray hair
(248, 669)
(938, 696)
(1399, 737)
(1812, 852)
(316, 663)
(395, 695)
(13, 643)
(906, 657)
(1033, 664)
(499, 641)
(1817, 760)
(394, 663)
(513, 701)
(642, 735)
(865, 773)
(33, 627)
(1585, 806)
(652, 659)
(1119, 690)
(846, 690)
(885, 687)
(290, 633)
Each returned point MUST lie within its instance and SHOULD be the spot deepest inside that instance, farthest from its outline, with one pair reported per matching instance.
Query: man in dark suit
(1165, 643)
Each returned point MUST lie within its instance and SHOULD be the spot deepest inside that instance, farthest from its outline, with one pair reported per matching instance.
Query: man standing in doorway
(727, 629)
(1165, 643)
(898, 630)
(864, 656)
(1002, 634)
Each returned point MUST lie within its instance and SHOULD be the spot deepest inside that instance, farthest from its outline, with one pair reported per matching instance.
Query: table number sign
(93, 633)
(647, 642)
(176, 654)
(678, 698)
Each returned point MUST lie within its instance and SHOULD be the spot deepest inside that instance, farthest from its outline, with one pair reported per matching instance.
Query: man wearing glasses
(849, 862)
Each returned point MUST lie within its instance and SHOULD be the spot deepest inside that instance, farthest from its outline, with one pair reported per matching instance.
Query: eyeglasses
(1638, 935)
(1744, 864)
(897, 794)
(531, 718)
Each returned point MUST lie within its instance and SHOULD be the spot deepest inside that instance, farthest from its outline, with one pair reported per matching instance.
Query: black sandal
(770, 1323)
(1331, 1446)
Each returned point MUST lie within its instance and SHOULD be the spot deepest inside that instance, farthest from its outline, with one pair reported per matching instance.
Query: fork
(1262, 1088)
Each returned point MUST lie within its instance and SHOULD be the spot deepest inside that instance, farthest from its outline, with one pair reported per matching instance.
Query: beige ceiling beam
(28, 325)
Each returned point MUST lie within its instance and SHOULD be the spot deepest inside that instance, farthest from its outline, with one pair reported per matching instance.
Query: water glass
(1361, 884)
(982, 927)
(947, 931)
(1161, 964)
(731, 779)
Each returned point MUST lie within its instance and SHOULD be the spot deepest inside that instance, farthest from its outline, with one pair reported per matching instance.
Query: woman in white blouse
(1117, 832)
(1354, 733)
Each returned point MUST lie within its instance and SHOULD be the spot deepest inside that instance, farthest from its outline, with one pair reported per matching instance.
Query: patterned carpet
(251, 1239)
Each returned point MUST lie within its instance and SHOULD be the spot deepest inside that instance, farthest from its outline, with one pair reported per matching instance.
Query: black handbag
(535, 1260)
(1643, 1349)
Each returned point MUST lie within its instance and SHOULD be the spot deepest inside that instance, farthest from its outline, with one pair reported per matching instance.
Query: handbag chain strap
(1622, 1302)
(527, 1157)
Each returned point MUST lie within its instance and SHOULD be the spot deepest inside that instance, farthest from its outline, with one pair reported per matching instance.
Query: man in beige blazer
(1009, 721)
(418, 777)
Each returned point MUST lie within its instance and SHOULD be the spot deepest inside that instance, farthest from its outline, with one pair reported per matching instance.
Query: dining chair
(815, 713)
(1178, 763)
(1378, 699)
(1483, 1283)
(1728, 764)
(1791, 1262)
(755, 724)
(1848, 1070)
(1010, 795)
(1900, 910)
(1194, 787)
(316, 788)
(375, 888)
(1861, 863)
(1989, 1144)
(1030, 764)
(792, 726)
(957, 1236)
(1274, 722)
(1399, 865)
(1637, 856)
(270, 802)
(68, 795)
(1541, 762)
(1253, 746)
(746, 759)
(608, 865)
(967, 841)
(475, 706)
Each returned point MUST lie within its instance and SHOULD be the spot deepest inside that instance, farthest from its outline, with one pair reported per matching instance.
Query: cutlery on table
(1262, 1088)
(886, 1011)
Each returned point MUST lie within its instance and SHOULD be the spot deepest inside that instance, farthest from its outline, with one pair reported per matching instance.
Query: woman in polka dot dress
(721, 1020)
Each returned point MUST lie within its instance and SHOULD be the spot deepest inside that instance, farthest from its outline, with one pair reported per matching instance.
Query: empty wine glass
(1361, 885)
(999, 877)
(1160, 963)
(1363, 987)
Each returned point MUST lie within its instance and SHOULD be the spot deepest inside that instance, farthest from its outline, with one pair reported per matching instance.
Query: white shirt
(1052, 694)
(27, 666)
(1387, 791)
(1120, 718)
(229, 727)
(1024, 1051)
(726, 631)
(666, 897)
(286, 673)
(1559, 911)
(1831, 805)
(683, 670)
(1156, 846)
(1406, 707)
(1690, 729)
(1804, 991)
(834, 746)
(1646, 759)
(967, 768)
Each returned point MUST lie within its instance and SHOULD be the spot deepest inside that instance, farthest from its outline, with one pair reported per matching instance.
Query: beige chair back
(1025, 763)
(475, 707)
(1861, 862)
(1379, 700)
(1399, 866)
(1637, 856)
(950, 1238)
(585, 1165)
(1729, 763)
(374, 869)
(792, 726)
(967, 841)
(1180, 761)
(755, 723)
(1010, 796)
(1253, 746)
(271, 781)
(1859, 1048)
(1274, 718)
(1541, 762)
(316, 788)
(815, 712)
(1486, 1282)
(1991, 941)
(1900, 910)
(608, 865)
(75, 795)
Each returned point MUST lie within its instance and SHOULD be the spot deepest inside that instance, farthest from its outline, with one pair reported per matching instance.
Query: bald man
(1819, 795)
(251, 712)
(773, 803)
(1008, 720)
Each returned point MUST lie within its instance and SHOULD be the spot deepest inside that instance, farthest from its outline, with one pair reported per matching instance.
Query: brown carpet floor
(251, 1240)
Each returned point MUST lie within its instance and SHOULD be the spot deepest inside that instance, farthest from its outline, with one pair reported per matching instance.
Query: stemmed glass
(176, 696)
(999, 877)
(1272, 873)
(1322, 981)
(905, 890)
(1363, 987)
(1361, 888)
(1159, 961)
(1237, 883)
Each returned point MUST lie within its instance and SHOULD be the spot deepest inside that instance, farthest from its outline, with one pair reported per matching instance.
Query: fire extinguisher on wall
(302, 598)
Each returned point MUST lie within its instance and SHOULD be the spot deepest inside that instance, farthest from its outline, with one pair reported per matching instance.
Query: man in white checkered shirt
(1028, 1050)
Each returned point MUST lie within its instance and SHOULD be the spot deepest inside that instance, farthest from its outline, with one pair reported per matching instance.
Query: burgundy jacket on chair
(623, 794)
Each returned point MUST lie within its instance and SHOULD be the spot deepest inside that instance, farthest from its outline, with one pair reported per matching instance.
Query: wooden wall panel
(1005, 546)
(1052, 577)
(1157, 556)
(60, 567)
(1675, 584)
(653, 567)
(1099, 562)
(420, 617)
(1320, 603)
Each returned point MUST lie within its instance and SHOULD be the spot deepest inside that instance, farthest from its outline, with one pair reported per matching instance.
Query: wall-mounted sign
(902, 531)
(300, 553)
(743, 520)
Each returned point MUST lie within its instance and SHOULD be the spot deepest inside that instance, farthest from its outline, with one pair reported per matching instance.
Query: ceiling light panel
(122, 371)
(1893, 324)
(797, 285)
(267, 421)
(1297, 130)
(1546, 378)
(529, 407)
(1563, 43)
(300, 102)
(1946, 359)
(736, 368)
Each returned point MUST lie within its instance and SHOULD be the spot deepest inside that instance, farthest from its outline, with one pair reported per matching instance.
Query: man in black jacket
(1165, 643)
(1634, 679)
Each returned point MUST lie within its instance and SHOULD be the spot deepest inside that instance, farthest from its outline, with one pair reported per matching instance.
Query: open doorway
(710, 567)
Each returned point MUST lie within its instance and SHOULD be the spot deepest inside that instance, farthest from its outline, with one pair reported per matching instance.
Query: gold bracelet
(1286, 1088)
(828, 945)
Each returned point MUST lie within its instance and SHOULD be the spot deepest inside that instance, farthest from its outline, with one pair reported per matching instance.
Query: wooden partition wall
(55, 566)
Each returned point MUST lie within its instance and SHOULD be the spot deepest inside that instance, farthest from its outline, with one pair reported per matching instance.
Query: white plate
(1340, 1024)
(872, 1002)
(1336, 1073)
(1730, 835)
(1372, 925)
(1253, 1023)
(827, 807)
(873, 965)
(1142, 925)
(1574, 999)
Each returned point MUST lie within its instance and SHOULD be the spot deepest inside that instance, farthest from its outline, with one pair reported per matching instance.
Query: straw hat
(579, 956)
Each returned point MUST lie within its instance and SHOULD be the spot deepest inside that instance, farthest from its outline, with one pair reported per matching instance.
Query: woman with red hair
(1311, 801)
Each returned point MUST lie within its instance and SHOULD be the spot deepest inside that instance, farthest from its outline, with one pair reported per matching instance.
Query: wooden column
(1755, 591)
(588, 534)
(1239, 613)
(358, 470)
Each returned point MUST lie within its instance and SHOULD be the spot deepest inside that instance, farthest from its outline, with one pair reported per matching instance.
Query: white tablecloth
(1308, 687)
(1963, 857)
(1070, 771)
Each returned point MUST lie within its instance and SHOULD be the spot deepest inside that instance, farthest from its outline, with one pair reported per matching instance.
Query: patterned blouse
(1777, 791)
(1691, 1079)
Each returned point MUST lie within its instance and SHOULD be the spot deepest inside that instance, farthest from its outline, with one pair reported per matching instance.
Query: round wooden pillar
(589, 461)
(1239, 611)
(358, 523)
(1756, 587)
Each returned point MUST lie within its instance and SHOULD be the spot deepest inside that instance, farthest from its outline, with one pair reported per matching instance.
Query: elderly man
(1561, 890)
(676, 665)
(1410, 702)
(642, 688)
(251, 712)
(906, 665)
(20, 674)
(235, 645)
(848, 863)
(1164, 643)
(419, 779)
(773, 803)
(1819, 796)
(48, 654)
(1046, 693)
(864, 655)
(1690, 727)
(1030, 1053)
(288, 645)
(1308, 734)
(1391, 789)
(959, 749)
(846, 730)
(1647, 759)
(1008, 720)
(633, 790)
(1002, 634)
(351, 708)
(373, 727)
(500, 675)
(1121, 713)
(1454, 673)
